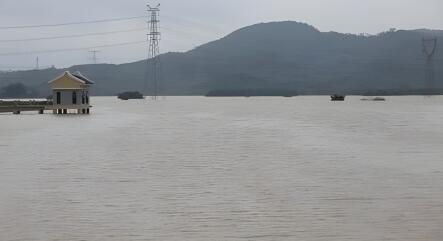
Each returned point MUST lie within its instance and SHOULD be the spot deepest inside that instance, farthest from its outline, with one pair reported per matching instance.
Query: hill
(278, 55)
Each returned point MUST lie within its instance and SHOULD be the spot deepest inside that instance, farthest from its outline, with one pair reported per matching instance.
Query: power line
(188, 34)
(71, 49)
(71, 23)
(23, 67)
(71, 36)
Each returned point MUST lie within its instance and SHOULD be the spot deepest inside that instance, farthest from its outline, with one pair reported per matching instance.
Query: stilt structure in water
(71, 92)
(70, 95)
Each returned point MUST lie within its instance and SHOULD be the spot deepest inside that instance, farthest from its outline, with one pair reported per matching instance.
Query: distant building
(71, 92)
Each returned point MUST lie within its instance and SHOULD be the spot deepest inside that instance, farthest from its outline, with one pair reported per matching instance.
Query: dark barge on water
(134, 95)
(338, 98)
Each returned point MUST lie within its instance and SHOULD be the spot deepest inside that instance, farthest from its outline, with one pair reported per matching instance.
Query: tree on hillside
(17, 90)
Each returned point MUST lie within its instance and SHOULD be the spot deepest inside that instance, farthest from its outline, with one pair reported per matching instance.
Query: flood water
(199, 169)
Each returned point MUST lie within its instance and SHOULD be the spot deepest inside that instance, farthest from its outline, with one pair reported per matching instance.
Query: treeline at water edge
(251, 93)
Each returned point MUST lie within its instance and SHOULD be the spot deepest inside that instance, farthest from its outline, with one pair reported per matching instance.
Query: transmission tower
(154, 52)
(429, 49)
(94, 55)
(37, 64)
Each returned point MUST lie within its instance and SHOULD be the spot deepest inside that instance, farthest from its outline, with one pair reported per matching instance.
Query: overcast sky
(186, 24)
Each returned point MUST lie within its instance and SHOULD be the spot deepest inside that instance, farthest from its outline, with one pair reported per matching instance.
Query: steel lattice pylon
(429, 49)
(153, 63)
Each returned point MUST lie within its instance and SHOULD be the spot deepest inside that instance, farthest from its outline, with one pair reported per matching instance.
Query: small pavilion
(70, 91)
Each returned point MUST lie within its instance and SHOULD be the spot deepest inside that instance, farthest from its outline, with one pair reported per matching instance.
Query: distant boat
(131, 96)
(374, 99)
(338, 98)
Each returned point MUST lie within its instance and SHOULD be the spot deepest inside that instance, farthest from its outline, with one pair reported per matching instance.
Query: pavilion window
(74, 98)
(59, 98)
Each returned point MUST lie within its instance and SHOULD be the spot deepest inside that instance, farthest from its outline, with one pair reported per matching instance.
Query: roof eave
(67, 73)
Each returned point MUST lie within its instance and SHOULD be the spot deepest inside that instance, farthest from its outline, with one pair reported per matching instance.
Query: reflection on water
(226, 169)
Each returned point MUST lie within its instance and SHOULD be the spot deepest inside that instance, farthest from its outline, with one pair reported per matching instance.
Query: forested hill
(278, 55)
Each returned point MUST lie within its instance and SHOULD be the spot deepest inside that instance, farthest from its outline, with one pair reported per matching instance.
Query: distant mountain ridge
(277, 55)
